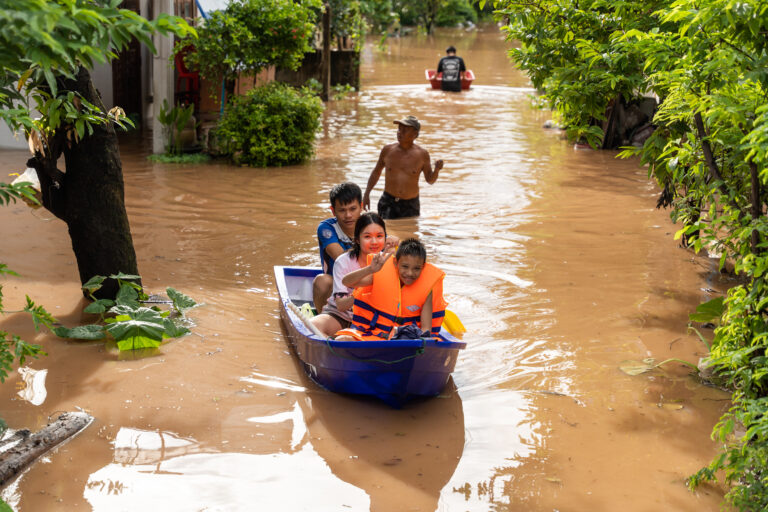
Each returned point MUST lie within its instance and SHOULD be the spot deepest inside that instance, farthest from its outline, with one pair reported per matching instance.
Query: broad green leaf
(94, 283)
(172, 330)
(127, 296)
(709, 311)
(180, 301)
(137, 343)
(81, 332)
(144, 324)
(99, 306)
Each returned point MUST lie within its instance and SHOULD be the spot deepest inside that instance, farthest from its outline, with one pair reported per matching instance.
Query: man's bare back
(403, 163)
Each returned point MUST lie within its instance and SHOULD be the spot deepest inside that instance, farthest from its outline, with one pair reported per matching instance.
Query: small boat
(434, 79)
(391, 370)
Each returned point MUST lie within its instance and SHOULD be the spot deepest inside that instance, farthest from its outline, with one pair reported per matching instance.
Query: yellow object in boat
(306, 309)
(453, 324)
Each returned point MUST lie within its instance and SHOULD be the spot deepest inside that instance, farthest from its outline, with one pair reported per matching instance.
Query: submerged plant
(126, 320)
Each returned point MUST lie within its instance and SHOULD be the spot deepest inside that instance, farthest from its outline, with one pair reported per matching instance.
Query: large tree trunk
(89, 196)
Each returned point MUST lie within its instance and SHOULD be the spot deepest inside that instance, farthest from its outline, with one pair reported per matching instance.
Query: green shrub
(272, 125)
(455, 12)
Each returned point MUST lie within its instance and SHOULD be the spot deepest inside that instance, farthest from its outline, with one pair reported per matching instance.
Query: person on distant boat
(453, 69)
(370, 238)
(334, 236)
(397, 292)
(404, 162)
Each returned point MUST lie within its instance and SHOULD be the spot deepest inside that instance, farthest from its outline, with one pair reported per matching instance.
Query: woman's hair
(411, 247)
(364, 221)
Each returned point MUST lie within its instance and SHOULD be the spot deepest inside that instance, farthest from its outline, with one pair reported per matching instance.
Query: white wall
(8, 141)
(101, 76)
(102, 80)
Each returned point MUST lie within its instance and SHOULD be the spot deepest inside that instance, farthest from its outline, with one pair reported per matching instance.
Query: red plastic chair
(190, 79)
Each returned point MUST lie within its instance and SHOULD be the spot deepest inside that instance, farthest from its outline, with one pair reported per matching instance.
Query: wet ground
(558, 264)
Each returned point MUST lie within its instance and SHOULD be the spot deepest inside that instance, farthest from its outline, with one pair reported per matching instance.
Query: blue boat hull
(393, 370)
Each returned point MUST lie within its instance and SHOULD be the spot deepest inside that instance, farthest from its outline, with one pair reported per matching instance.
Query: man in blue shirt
(334, 236)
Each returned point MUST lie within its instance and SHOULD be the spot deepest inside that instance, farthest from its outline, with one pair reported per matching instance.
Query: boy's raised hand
(378, 261)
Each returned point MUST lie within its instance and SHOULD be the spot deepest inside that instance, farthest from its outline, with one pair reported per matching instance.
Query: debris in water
(33, 386)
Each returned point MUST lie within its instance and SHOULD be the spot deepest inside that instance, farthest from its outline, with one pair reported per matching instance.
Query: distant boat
(434, 78)
(391, 370)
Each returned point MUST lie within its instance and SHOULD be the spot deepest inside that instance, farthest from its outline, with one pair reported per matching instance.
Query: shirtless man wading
(404, 161)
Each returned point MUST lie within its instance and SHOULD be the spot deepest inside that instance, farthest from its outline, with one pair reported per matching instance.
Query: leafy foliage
(573, 53)
(174, 120)
(188, 158)
(455, 12)
(272, 125)
(9, 192)
(347, 23)
(707, 63)
(125, 320)
(250, 35)
(43, 42)
(379, 14)
(12, 347)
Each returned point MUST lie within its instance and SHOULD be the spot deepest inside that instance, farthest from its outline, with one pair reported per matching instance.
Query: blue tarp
(206, 6)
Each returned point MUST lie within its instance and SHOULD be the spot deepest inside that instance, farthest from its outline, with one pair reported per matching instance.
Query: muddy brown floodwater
(558, 263)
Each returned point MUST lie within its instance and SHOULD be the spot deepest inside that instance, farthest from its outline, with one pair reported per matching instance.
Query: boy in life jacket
(392, 292)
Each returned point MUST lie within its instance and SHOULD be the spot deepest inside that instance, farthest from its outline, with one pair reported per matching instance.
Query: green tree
(46, 49)
(572, 52)
(379, 14)
(422, 13)
(250, 35)
(707, 63)
(347, 23)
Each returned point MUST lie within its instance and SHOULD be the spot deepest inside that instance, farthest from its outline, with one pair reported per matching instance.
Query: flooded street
(557, 262)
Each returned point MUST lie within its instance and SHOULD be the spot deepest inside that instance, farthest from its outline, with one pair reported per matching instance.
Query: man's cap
(450, 49)
(410, 121)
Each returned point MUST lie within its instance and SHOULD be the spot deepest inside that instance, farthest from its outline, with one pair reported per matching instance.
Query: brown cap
(410, 121)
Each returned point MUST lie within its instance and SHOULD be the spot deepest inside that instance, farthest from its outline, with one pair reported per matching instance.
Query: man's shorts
(331, 309)
(391, 207)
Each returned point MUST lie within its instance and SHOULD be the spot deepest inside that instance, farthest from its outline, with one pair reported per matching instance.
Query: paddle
(453, 324)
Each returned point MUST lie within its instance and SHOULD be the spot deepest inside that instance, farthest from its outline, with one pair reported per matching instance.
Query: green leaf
(137, 343)
(709, 311)
(4, 507)
(94, 283)
(127, 296)
(81, 332)
(172, 330)
(180, 301)
(631, 367)
(99, 306)
(144, 329)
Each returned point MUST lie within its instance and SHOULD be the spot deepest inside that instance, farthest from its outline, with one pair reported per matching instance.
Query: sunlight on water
(220, 481)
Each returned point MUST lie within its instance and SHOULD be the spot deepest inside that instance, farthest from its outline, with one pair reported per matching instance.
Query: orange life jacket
(381, 307)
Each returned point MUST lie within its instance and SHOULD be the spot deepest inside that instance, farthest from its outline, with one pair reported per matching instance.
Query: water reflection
(503, 433)
(150, 467)
(401, 458)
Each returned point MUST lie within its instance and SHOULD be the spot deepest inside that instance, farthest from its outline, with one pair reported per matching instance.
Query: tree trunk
(89, 196)
(613, 129)
(28, 447)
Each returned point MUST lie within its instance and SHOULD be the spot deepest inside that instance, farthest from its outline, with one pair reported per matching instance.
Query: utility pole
(326, 62)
